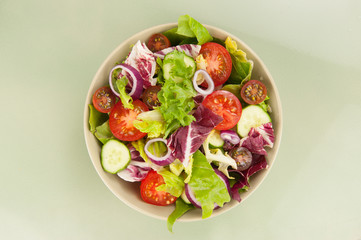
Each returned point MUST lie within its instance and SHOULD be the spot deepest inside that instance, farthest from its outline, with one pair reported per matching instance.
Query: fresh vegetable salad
(182, 115)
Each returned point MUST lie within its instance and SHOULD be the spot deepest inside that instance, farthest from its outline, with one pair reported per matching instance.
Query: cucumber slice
(115, 156)
(252, 116)
(215, 140)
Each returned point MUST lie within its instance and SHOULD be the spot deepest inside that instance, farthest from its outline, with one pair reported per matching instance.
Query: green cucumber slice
(115, 156)
(252, 116)
(215, 140)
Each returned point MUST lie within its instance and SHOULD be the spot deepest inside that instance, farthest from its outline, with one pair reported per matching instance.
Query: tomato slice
(254, 92)
(158, 42)
(121, 121)
(104, 99)
(219, 62)
(150, 96)
(149, 193)
(226, 105)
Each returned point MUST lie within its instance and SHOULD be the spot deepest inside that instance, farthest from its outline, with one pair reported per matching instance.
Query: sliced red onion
(136, 78)
(192, 198)
(230, 136)
(161, 161)
(208, 79)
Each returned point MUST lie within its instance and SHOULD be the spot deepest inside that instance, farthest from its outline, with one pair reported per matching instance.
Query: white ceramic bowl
(129, 192)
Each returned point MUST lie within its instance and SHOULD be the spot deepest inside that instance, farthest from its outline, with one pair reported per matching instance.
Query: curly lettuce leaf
(124, 97)
(208, 188)
(151, 122)
(189, 27)
(180, 70)
(176, 102)
(173, 184)
(180, 208)
(241, 66)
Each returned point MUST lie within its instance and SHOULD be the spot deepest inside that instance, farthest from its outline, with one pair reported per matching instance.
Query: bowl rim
(138, 35)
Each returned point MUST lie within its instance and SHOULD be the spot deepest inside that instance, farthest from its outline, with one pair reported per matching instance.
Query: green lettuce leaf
(173, 184)
(265, 105)
(176, 102)
(124, 97)
(208, 188)
(159, 71)
(179, 69)
(151, 122)
(174, 38)
(180, 208)
(189, 27)
(241, 66)
(139, 146)
(96, 118)
(103, 133)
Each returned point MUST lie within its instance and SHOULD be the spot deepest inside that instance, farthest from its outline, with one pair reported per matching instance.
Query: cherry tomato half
(121, 121)
(104, 99)
(219, 62)
(150, 97)
(242, 156)
(254, 92)
(226, 105)
(158, 42)
(149, 193)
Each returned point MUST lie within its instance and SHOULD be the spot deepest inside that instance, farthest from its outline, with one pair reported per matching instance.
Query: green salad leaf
(139, 146)
(180, 208)
(179, 66)
(208, 188)
(124, 97)
(173, 184)
(151, 122)
(96, 118)
(241, 66)
(176, 102)
(265, 105)
(189, 27)
(103, 132)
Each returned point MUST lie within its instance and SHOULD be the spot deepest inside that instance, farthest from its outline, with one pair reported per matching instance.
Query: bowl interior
(129, 192)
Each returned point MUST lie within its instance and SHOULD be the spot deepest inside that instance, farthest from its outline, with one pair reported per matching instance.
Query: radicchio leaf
(191, 50)
(187, 140)
(258, 138)
(142, 59)
(258, 163)
(136, 171)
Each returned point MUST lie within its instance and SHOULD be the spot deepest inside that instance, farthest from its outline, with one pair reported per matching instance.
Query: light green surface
(49, 52)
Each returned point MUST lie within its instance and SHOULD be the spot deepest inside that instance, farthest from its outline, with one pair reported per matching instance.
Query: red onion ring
(230, 136)
(161, 161)
(208, 79)
(137, 80)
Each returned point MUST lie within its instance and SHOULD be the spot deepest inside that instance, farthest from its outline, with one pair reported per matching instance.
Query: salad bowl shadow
(129, 193)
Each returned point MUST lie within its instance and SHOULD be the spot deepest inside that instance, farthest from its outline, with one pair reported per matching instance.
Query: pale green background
(49, 53)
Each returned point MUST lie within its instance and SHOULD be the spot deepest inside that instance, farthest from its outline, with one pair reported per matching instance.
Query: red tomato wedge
(226, 105)
(219, 62)
(104, 99)
(121, 121)
(149, 193)
(158, 42)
